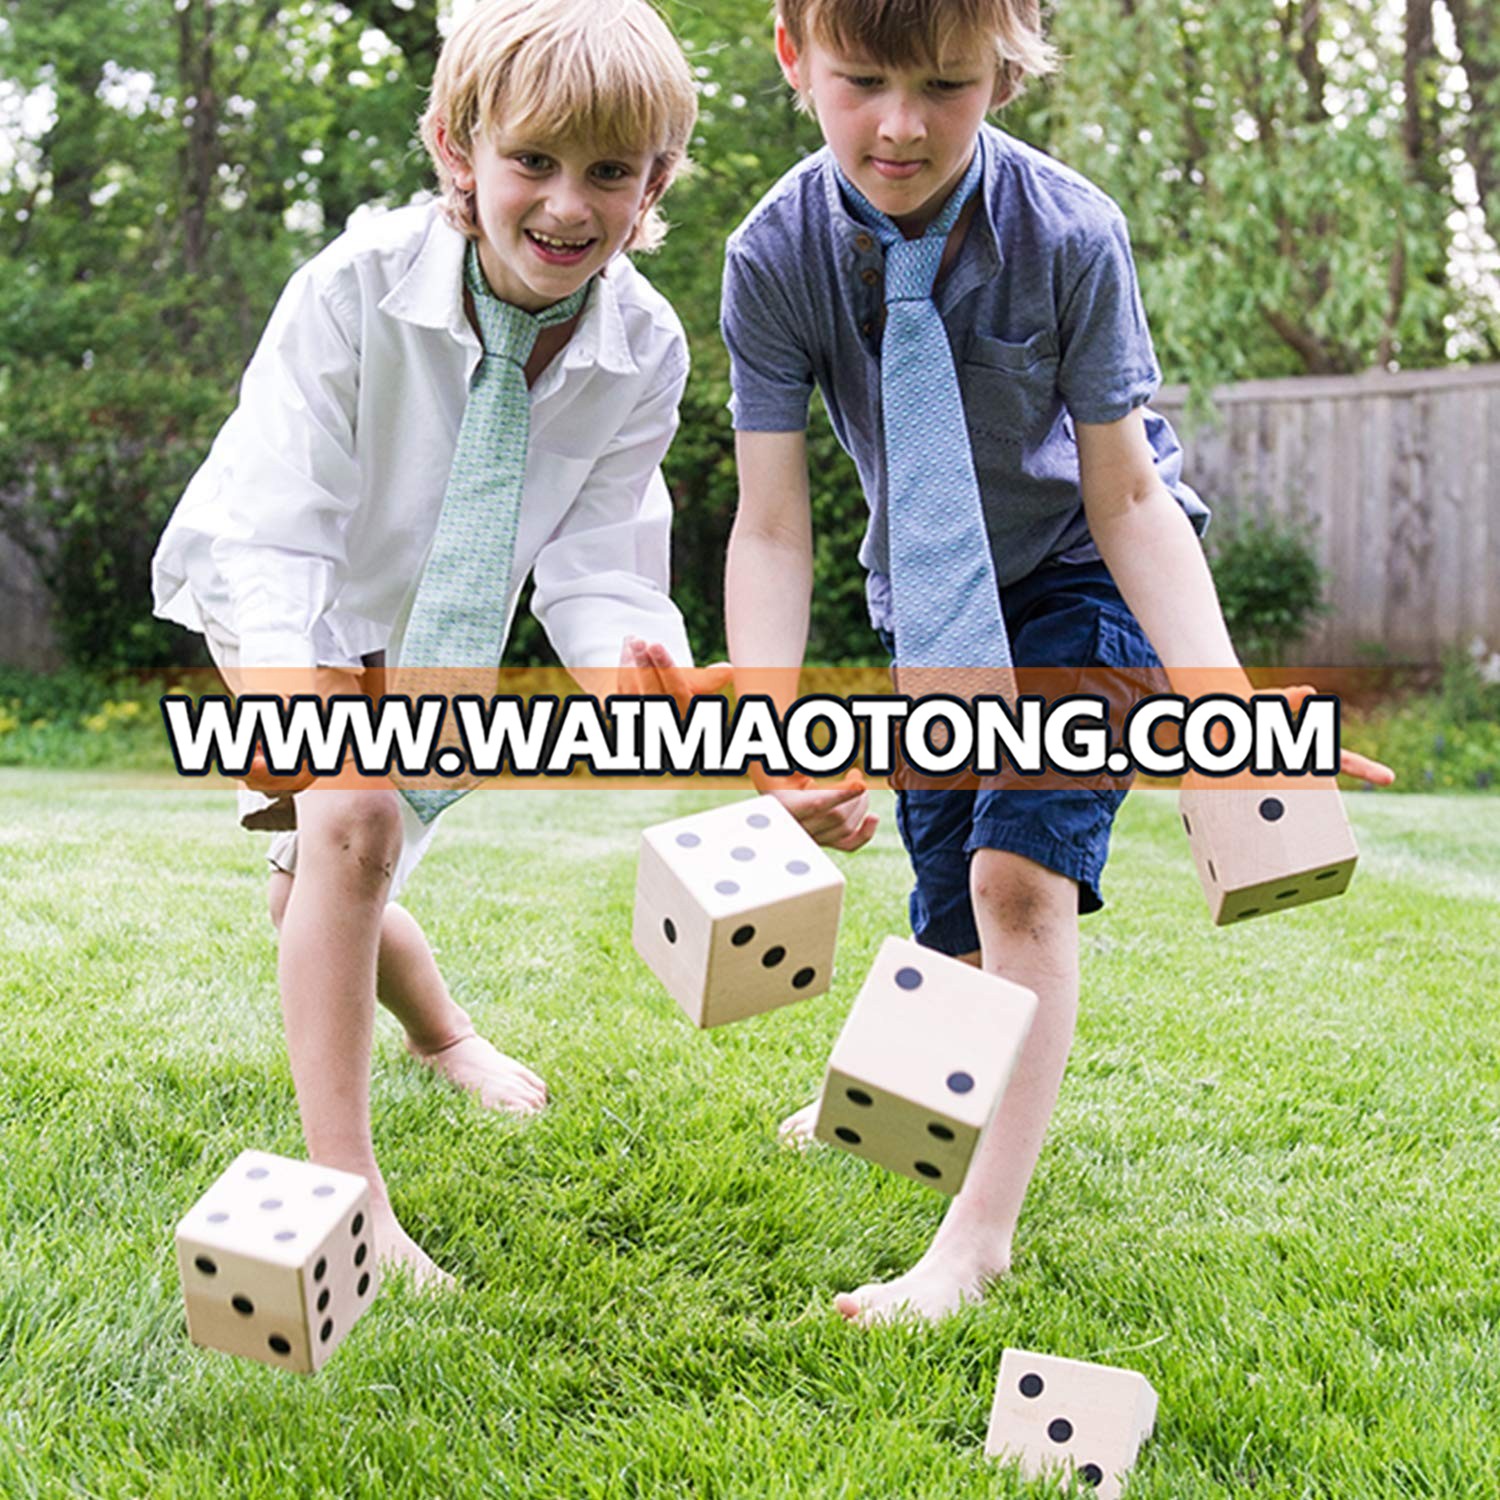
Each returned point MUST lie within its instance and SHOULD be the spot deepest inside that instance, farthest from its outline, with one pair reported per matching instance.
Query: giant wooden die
(736, 910)
(1052, 1414)
(277, 1260)
(1261, 849)
(921, 1063)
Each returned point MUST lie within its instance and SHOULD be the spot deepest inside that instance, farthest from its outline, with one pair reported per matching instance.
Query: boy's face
(550, 213)
(903, 136)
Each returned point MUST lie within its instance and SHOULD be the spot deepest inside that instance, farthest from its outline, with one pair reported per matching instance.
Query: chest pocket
(1010, 390)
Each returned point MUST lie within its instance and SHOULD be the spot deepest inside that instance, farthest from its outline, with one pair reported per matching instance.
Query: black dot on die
(960, 1083)
(1059, 1429)
(689, 840)
(321, 1269)
(802, 978)
(323, 1299)
(727, 887)
(1032, 1385)
(205, 1265)
(326, 1331)
(927, 1169)
(758, 820)
(742, 853)
(360, 1251)
(242, 1305)
(669, 929)
(1091, 1474)
(256, 1173)
(364, 1284)
(324, 1190)
(858, 1096)
(908, 979)
(357, 1227)
(1271, 808)
(772, 956)
(742, 935)
(279, 1345)
(939, 1132)
(797, 867)
(852, 1137)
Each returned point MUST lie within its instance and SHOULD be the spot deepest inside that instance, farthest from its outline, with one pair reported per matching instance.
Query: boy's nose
(902, 123)
(568, 202)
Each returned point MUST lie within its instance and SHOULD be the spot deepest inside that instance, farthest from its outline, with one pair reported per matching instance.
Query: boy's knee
(356, 834)
(1020, 895)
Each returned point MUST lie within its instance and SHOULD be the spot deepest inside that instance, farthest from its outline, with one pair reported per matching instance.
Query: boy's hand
(325, 682)
(837, 816)
(647, 670)
(1350, 763)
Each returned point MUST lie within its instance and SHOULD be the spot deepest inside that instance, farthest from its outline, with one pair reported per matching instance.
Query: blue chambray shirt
(1043, 314)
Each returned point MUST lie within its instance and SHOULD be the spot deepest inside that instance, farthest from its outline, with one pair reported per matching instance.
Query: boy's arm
(603, 574)
(767, 598)
(1153, 553)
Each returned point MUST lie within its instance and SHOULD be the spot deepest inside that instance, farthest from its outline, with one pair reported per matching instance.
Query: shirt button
(869, 276)
(867, 329)
(863, 242)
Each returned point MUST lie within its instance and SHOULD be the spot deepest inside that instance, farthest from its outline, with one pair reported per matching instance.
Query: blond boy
(555, 126)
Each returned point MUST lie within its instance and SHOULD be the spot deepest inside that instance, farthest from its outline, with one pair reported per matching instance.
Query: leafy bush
(74, 719)
(1270, 583)
(1446, 740)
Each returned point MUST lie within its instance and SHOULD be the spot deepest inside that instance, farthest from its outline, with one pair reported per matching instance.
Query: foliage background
(1310, 185)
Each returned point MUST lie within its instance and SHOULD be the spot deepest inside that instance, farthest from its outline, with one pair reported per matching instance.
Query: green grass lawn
(1272, 1185)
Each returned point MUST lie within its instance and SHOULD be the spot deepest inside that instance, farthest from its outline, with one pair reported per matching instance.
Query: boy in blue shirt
(1076, 488)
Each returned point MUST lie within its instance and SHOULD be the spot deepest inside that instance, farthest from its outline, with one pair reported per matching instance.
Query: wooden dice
(277, 1260)
(1052, 1413)
(1264, 849)
(921, 1063)
(736, 910)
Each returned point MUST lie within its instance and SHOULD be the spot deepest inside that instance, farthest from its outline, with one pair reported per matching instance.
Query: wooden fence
(1400, 475)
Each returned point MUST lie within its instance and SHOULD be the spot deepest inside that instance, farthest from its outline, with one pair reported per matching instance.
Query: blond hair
(899, 33)
(604, 71)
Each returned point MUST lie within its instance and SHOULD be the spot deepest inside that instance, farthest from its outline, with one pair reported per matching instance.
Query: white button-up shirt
(304, 534)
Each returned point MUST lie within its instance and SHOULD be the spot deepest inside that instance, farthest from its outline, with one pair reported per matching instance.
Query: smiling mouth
(558, 246)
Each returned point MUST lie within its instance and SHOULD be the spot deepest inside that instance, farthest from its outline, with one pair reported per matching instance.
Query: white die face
(1051, 1411)
(743, 857)
(277, 1260)
(737, 910)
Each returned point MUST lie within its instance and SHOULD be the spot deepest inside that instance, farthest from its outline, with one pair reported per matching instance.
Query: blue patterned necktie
(943, 588)
(457, 617)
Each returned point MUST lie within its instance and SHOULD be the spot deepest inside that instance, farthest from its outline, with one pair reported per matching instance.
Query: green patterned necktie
(458, 614)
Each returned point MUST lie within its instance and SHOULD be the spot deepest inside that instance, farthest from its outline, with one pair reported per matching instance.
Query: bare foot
(796, 1130)
(396, 1251)
(940, 1284)
(471, 1063)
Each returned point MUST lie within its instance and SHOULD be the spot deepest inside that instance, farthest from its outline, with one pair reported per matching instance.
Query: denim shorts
(1064, 614)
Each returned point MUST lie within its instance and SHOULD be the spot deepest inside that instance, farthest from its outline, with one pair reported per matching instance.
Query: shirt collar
(430, 295)
(981, 236)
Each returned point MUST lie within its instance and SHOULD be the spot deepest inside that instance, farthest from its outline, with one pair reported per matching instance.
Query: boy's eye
(950, 85)
(532, 161)
(863, 80)
(611, 171)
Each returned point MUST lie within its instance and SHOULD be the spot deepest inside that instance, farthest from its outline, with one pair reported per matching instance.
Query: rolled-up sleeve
(288, 480)
(605, 571)
(770, 374)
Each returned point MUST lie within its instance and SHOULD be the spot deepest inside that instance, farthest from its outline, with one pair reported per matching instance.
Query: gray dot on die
(286, 1234)
(727, 887)
(324, 1190)
(742, 854)
(218, 1218)
(271, 1203)
(758, 820)
(256, 1173)
(798, 867)
(908, 978)
(689, 840)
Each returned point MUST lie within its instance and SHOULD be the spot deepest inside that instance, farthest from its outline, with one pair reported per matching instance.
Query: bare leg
(1028, 926)
(330, 933)
(439, 1032)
